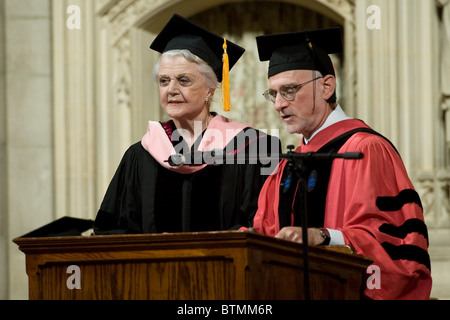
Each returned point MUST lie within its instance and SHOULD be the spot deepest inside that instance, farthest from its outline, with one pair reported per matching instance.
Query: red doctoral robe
(373, 203)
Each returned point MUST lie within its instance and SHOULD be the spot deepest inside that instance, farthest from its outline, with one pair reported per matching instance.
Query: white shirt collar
(335, 116)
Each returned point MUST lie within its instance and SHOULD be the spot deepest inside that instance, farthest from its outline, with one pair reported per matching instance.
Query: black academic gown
(145, 197)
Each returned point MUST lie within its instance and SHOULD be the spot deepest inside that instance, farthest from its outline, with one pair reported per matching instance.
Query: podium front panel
(186, 266)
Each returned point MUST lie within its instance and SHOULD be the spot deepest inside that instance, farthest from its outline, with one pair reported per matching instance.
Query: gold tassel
(225, 78)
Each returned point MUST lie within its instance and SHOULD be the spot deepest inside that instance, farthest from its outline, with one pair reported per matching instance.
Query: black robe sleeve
(121, 209)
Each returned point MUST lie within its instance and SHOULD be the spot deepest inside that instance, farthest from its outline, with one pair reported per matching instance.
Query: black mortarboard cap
(65, 226)
(306, 50)
(180, 33)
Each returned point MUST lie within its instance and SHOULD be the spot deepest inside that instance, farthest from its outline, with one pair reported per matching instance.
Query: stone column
(74, 108)
(26, 135)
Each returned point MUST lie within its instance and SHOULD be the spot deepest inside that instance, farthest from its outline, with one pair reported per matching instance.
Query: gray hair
(203, 67)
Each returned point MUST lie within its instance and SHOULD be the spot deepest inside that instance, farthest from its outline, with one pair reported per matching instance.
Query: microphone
(352, 155)
(196, 158)
(176, 160)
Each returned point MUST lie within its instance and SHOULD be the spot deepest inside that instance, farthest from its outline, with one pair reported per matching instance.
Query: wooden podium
(189, 266)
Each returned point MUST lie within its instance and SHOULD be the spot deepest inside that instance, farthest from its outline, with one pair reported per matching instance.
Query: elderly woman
(173, 179)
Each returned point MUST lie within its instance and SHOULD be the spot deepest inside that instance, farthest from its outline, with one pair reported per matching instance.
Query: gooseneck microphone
(177, 160)
(216, 157)
(196, 158)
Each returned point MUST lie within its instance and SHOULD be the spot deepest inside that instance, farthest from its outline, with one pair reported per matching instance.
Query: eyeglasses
(288, 92)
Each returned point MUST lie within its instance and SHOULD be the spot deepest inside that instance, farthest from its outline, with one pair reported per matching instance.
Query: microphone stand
(296, 164)
(199, 158)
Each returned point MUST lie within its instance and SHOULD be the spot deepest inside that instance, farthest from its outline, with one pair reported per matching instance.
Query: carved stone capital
(346, 8)
(434, 190)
